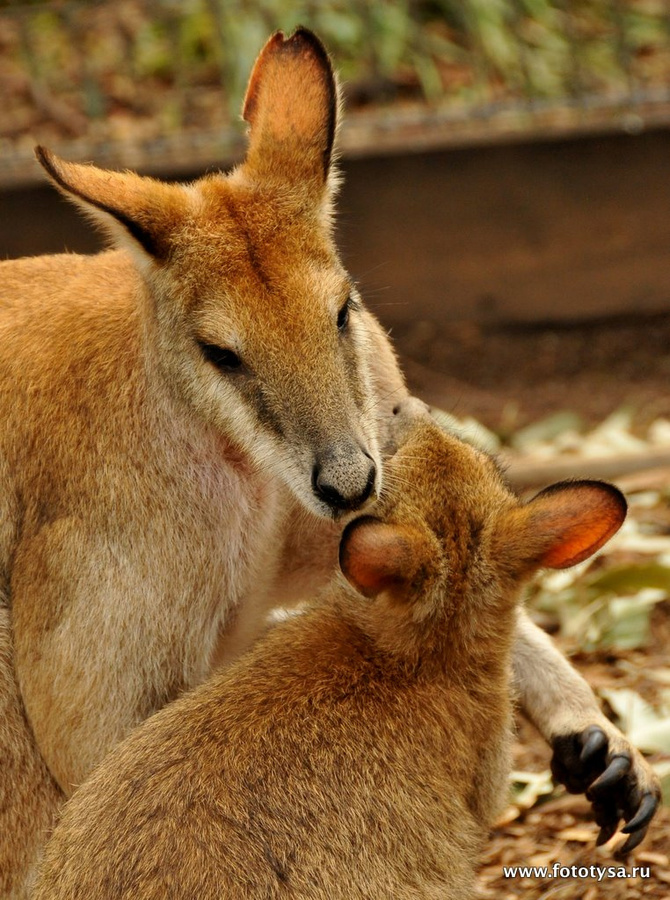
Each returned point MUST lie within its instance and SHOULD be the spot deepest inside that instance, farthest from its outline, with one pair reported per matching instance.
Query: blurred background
(506, 211)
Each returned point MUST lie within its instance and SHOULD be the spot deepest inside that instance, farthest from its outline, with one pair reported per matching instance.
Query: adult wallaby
(360, 750)
(187, 422)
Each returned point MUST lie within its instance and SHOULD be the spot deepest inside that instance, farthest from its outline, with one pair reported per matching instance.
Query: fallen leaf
(647, 729)
(527, 787)
(626, 579)
(510, 814)
(584, 834)
(656, 859)
(546, 430)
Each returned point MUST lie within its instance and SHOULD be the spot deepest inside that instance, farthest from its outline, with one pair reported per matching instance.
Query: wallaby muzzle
(344, 477)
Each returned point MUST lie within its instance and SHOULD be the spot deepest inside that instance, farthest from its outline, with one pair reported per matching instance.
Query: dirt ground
(507, 378)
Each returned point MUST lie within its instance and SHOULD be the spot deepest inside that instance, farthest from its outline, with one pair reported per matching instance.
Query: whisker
(395, 480)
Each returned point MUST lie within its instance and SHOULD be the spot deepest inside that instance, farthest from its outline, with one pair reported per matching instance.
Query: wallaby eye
(224, 359)
(343, 315)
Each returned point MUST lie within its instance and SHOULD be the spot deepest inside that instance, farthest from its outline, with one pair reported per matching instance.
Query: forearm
(551, 692)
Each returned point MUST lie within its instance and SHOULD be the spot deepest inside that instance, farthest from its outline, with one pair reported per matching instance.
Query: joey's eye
(343, 315)
(223, 359)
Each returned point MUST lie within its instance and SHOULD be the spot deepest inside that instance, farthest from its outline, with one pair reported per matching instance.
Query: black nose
(343, 490)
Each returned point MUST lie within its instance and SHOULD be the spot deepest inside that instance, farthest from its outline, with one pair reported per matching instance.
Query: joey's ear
(291, 107)
(133, 209)
(567, 522)
(376, 557)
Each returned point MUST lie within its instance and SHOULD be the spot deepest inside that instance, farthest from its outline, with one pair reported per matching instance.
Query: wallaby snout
(411, 408)
(344, 477)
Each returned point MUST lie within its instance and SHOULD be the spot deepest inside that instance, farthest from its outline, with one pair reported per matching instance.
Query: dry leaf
(585, 834)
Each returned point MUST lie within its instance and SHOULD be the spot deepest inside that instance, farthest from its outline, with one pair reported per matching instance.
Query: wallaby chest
(131, 520)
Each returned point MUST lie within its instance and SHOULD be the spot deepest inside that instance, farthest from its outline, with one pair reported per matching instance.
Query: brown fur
(361, 748)
(151, 507)
(25, 783)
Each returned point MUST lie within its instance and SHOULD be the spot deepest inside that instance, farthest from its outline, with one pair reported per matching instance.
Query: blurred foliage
(647, 727)
(610, 611)
(607, 603)
(69, 62)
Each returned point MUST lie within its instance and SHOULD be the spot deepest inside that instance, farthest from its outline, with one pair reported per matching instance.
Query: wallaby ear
(567, 522)
(291, 107)
(376, 557)
(128, 206)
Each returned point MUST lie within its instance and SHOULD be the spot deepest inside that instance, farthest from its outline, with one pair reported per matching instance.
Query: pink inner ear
(375, 557)
(581, 518)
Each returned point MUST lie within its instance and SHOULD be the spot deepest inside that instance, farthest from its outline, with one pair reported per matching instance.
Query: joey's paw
(615, 777)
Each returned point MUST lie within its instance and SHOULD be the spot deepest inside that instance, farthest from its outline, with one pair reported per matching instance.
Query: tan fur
(25, 784)
(361, 748)
(151, 507)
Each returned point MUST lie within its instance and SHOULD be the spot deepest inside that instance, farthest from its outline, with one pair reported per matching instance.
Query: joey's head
(449, 536)
(250, 315)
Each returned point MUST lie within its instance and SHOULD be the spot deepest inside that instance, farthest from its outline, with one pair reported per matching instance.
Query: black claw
(607, 817)
(632, 842)
(581, 759)
(618, 767)
(606, 832)
(594, 743)
(644, 814)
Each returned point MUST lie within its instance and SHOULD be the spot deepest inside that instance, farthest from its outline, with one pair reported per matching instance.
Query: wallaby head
(449, 538)
(250, 316)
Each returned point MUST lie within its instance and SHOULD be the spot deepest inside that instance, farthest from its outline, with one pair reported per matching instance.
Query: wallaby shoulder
(67, 321)
(33, 282)
(74, 385)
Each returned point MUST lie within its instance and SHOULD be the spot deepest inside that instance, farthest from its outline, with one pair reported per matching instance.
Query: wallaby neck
(456, 644)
